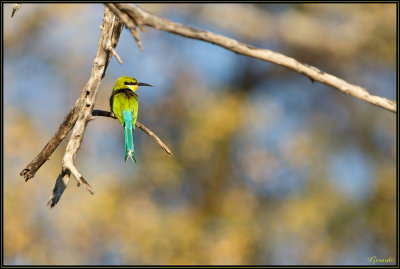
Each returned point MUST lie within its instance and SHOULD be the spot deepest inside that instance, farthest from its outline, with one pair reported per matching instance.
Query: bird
(124, 105)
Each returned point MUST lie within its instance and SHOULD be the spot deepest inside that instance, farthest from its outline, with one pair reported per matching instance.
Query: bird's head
(131, 83)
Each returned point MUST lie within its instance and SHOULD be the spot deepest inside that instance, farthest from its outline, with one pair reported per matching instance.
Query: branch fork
(130, 22)
(82, 112)
(135, 18)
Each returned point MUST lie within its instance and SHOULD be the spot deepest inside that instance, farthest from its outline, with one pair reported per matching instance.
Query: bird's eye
(130, 83)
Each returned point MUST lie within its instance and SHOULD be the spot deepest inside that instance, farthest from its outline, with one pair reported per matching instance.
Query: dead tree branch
(133, 16)
(69, 121)
(138, 124)
(30, 170)
(130, 24)
(82, 113)
(109, 36)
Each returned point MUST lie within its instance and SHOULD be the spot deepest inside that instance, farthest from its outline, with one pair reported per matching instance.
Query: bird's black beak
(144, 84)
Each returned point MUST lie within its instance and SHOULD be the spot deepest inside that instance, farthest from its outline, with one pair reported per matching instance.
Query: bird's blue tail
(129, 149)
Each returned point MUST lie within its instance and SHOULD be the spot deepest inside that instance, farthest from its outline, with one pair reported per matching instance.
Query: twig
(111, 49)
(15, 8)
(117, 29)
(158, 140)
(131, 23)
(130, 14)
(138, 124)
(114, 53)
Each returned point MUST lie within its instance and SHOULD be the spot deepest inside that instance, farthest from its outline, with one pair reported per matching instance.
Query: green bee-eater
(124, 105)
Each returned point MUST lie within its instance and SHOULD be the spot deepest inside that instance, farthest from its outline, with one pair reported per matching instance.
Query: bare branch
(138, 124)
(114, 53)
(110, 48)
(30, 170)
(158, 140)
(85, 106)
(103, 113)
(130, 14)
(117, 29)
(131, 23)
(91, 92)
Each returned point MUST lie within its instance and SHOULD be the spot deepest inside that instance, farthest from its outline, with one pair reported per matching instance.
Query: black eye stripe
(130, 83)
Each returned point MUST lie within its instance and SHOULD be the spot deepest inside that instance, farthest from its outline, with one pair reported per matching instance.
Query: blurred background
(268, 168)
